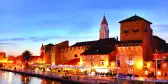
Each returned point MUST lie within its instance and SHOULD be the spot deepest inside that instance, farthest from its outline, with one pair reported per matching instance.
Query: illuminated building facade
(135, 50)
(2, 55)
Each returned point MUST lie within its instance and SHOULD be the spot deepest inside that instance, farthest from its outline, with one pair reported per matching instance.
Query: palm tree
(26, 57)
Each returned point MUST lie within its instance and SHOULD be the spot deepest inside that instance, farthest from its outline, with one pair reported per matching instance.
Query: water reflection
(11, 78)
(25, 79)
(44, 81)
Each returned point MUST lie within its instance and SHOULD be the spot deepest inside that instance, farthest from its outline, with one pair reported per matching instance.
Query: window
(76, 55)
(91, 57)
(159, 66)
(135, 30)
(91, 63)
(102, 34)
(102, 63)
(70, 48)
(126, 31)
(118, 63)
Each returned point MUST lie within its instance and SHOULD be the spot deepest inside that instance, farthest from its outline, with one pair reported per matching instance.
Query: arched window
(91, 63)
(102, 34)
(135, 30)
(102, 63)
(76, 55)
(126, 31)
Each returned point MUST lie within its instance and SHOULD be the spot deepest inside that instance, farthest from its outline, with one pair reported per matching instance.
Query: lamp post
(116, 66)
(156, 68)
(116, 46)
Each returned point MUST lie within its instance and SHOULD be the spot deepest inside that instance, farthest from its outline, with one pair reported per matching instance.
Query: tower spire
(104, 30)
(42, 46)
(104, 21)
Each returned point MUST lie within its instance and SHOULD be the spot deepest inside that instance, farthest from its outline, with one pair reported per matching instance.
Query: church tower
(42, 48)
(42, 51)
(104, 30)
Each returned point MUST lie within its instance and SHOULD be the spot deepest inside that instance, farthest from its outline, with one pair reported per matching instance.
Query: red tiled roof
(134, 18)
(73, 62)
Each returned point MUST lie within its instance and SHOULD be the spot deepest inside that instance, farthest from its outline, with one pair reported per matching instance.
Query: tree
(26, 57)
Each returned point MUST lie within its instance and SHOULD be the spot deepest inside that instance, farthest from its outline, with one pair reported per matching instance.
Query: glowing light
(106, 63)
(95, 67)
(146, 72)
(112, 64)
(141, 78)
(148, 65)
(130, 62)
(53, 63)
(92, 73)
(82, 70)
(105, 70)
(47, 69)
(10, 78)
(159, 73)
(80, 63)
(139, 64)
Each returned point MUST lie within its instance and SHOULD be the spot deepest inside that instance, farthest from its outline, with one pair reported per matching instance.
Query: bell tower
(42, 51)
(104, 30)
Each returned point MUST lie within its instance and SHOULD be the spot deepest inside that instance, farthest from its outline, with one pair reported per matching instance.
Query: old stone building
(134, 51)
(2, 55)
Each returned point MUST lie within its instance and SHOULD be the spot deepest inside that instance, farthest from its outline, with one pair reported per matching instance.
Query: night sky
(26, 24)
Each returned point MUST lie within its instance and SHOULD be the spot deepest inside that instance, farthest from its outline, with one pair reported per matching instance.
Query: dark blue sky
(26, 24)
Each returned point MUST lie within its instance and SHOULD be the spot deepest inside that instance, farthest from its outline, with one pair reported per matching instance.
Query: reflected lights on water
(10, 78)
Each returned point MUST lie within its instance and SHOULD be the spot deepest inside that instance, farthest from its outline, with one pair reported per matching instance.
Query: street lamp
(156, 63)
(117, 66)
(156, 67)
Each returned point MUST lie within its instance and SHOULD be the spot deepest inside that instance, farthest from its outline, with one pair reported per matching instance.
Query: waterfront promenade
(69, 78)
(45, 75)
(83, 79)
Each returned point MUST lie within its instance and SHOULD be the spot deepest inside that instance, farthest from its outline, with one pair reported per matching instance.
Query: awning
(67, 66)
